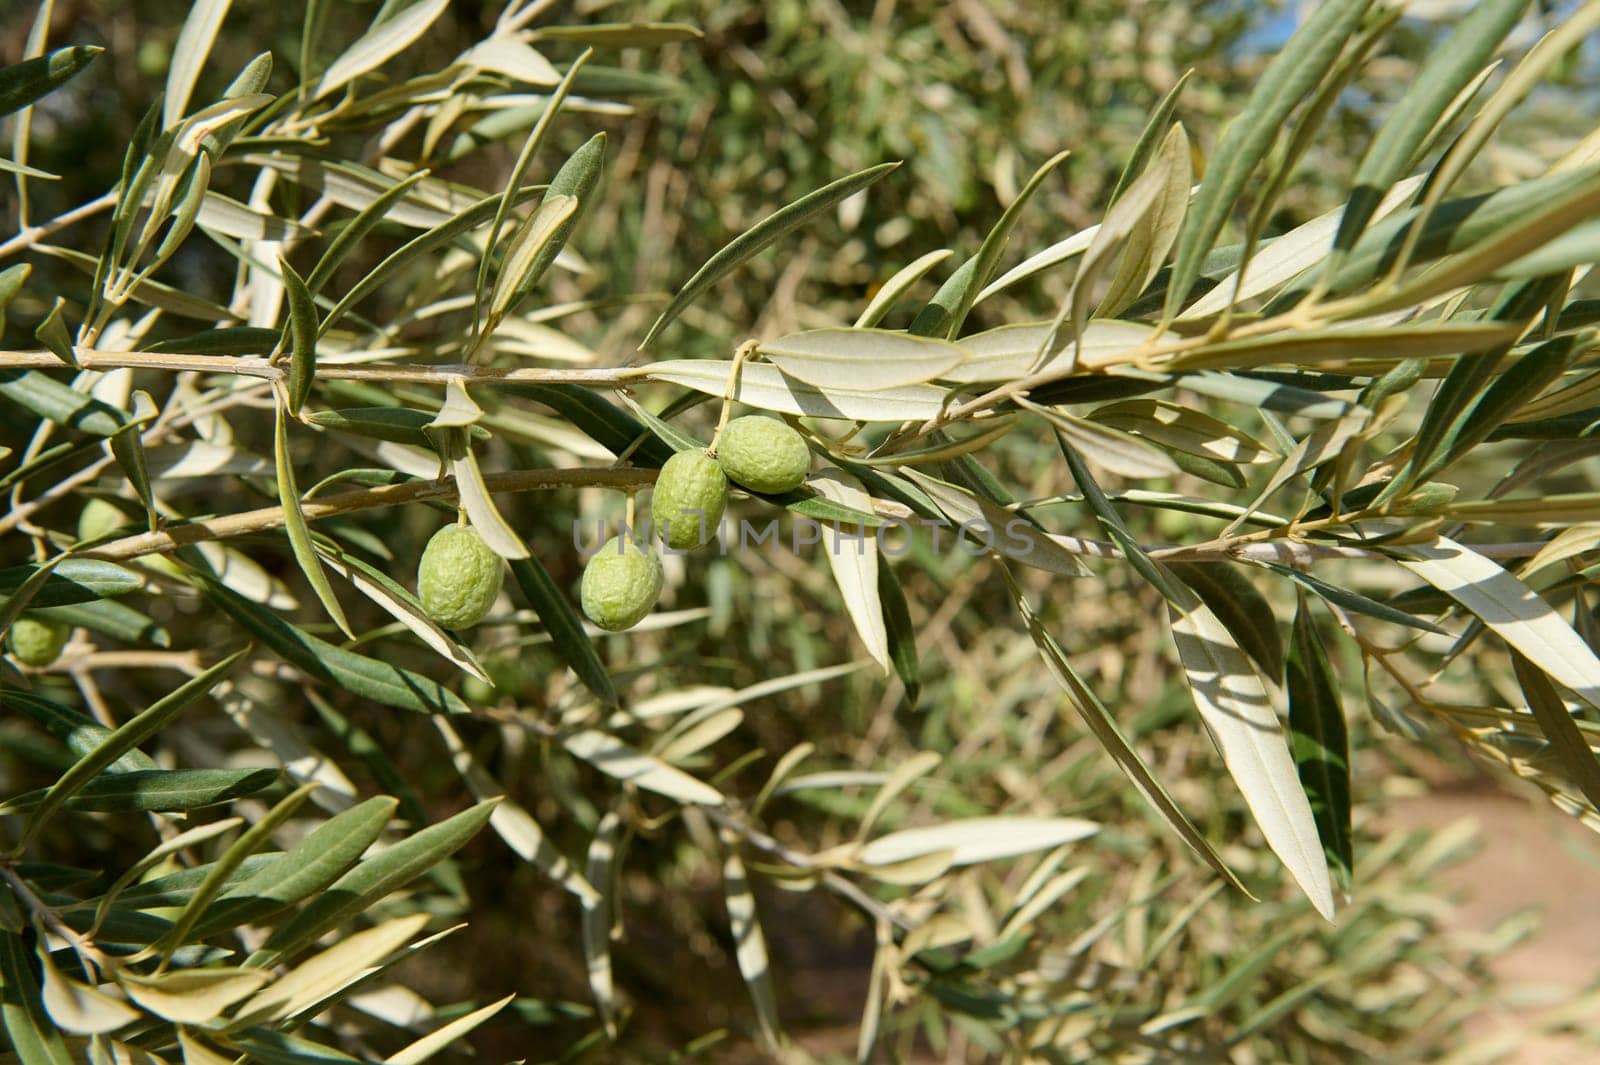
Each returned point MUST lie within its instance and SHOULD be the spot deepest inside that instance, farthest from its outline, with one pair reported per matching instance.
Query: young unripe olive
(37, 641)
(763, 454)
(98, 518)
(458, 577)
(620, 585)
(689, 498)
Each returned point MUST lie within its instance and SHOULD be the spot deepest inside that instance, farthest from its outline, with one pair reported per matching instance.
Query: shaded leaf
(23, 83)
(1318, 738)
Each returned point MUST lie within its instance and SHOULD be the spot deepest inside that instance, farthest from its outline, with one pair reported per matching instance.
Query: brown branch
(253, 521)
(251, 366)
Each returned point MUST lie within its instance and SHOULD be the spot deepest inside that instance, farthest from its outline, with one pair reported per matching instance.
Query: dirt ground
(1530, 854)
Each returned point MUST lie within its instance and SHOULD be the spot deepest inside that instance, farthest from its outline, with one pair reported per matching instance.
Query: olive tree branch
(265, 518)
(251, 366)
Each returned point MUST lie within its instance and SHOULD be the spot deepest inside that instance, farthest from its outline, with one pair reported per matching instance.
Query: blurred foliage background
(706, 136)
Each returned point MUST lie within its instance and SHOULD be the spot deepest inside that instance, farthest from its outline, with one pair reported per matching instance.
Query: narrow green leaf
(194, 996)
(379, 44)
(578, 177)
(401, 425)
(77, 730)
(1354, 601)
(76, 1007)
(70, 580)
(597, 914)
(884, 299)
(902, 634)
(455, 447)
(169, 790)
(565, 628)
(373, 879)
(1239, 715)
(1448, 68)
(616, 759)
(1183, 429)
(750, 943)
(189, 55)
(303, 871)
(446, 1035)
(1011, 351)
(1241, 608)
(127, 446)
(978, 839)
(129, 735)
(320, 660)
(1155, 130)
(52, 333)
(1377, 345)
(296, 527)
(1103, 725)
(12, 278)
(23, 83)
(947, 311)
(1298, 67)
(1559, 728)
(354, 230)
(527, 247)
(765, 386)
(1513, 610)
(233, 340)
(519, 169)
(774, 227)
(599, 419)
(299, 337)
(59, 403)
(271, 1047)
(1151, 238)
(1318, 739)
(222, 870)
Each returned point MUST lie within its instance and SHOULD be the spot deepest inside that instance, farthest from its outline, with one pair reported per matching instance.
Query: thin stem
(265, 518)
(744, 351)
(97, 359)
(31, 235)
(50, 919)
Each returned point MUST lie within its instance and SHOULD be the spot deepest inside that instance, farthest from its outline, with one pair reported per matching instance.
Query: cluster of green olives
(459, 576)
(623, 579)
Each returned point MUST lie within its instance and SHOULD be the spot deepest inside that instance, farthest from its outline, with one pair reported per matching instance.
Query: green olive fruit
(36, 641)
(458, 577)
(620, 585)
(479, 691)
(763, 454)
(690, 496)
(98, 518)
